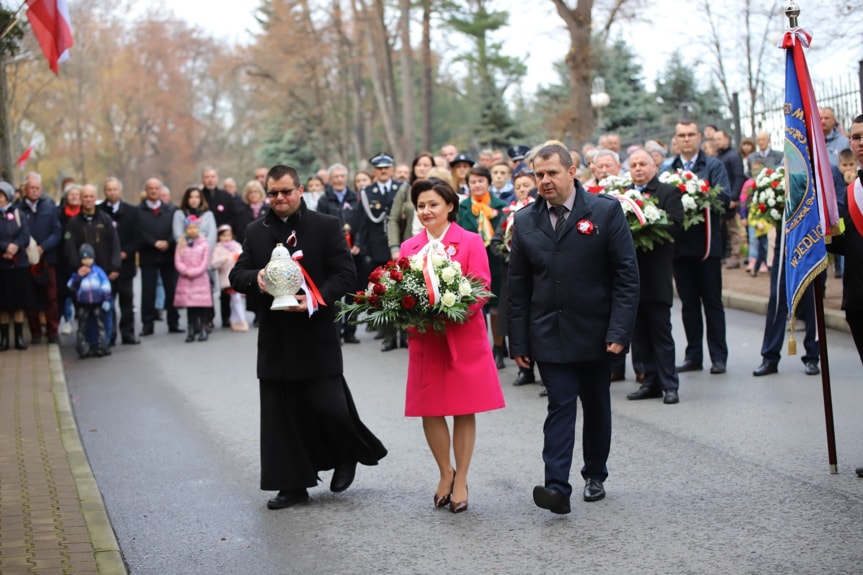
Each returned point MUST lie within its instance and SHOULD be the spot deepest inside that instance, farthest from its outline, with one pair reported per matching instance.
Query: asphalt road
(734, 479)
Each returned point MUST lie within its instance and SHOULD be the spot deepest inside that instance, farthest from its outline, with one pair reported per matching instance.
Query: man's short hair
(602, 153)
(33, 176)
(503, 163)
(335, 167)
(547, 151)
(857, 120)
(279, 171)
(846, 154)
(112, 179)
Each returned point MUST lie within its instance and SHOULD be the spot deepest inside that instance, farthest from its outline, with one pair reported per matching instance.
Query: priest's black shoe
(644, 392)
(689, 366)
(859, 471)
(766, 368)
(593, 490)
(524, 377)
(671, 397)
(287, 498)
(812, 368)
(551, 499)
(343, 476)
(717, 368)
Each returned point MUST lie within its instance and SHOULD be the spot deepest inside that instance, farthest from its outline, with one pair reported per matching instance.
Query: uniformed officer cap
(517, 153)
(462, 159)
(382, 160)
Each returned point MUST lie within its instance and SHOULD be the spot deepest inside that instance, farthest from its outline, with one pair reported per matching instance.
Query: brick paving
(52, 518)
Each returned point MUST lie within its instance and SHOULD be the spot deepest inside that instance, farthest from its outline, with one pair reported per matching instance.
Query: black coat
(246, 216)
(153, 227)
(223, 205)
(98, 231)
(293, 346)
(733, 164)
(656, 266)
(850, 244)
(126, 223)
(372, 238)
(570, 295)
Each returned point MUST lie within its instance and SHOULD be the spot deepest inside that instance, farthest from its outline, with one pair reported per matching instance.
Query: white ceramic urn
(283, 278)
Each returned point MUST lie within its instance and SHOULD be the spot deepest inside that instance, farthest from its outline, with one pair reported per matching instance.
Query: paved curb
(833, 319)
(109, 560)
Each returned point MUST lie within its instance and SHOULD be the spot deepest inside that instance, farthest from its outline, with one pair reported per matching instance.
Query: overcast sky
(536, 31)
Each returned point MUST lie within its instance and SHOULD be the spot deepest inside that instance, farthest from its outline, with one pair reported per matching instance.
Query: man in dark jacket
(44, 224)
(125, 218)
(343, 203)
(156, 256)
(573, 295)
(222, 204)
(698, 260)
(652, 335)
(733, 164)
(309, 422)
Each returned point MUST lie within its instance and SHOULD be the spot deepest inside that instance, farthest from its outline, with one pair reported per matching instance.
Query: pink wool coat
(193, 282)
(454, 373)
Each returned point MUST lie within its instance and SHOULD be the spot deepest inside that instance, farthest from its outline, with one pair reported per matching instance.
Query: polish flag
(22, 159)
(50, 22)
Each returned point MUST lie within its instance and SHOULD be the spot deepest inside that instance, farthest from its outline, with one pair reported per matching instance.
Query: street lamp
(599, 99)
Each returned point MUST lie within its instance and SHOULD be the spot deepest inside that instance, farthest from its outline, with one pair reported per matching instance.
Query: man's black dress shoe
(593, 490)
(644, 392)
(812, 368)
(544, 392)
(551, 499)
(147, 330)
(343, 476)
(351, 338)
(524, 377)
(176, 329)
(689, 366)
(287, 498)
(388, 345)
(766, 368)
(859, 471)
(671, 396)
(717, 368)
(132, 340)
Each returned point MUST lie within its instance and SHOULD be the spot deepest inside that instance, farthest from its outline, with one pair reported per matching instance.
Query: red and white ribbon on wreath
(427, 253)
(314, 299)
(636, 209)
(707, 232)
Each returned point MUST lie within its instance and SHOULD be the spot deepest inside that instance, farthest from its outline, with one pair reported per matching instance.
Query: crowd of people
(523, 220)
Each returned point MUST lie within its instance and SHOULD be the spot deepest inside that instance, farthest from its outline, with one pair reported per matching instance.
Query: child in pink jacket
(191, 260)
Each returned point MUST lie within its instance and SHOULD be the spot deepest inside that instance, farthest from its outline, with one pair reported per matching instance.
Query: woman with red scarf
(482, 213)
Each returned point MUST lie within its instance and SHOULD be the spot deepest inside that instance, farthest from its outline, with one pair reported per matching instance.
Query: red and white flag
(50, 22)
(22, 159)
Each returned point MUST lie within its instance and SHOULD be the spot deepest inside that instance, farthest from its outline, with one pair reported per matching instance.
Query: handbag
(32, 249)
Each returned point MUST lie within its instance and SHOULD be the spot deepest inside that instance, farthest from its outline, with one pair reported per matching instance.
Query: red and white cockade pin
(585, 227)
(451, 250)
(292, 239)
(10, 216)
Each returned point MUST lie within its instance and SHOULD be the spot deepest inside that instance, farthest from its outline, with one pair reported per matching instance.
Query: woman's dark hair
(184, 203)
(441, 188)
(480, 171)
(314, 178)
(416, 161)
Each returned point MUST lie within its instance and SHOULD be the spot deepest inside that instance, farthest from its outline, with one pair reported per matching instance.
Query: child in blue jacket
(92, 290)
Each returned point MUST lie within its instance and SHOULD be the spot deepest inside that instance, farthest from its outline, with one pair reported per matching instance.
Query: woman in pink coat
(191, 260)
(451, 374)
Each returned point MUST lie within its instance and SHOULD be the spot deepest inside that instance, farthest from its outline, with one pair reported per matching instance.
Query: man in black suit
(309, 422)
(125, 218)
(733, 164)
(764, 154)
(573, 295)
(652, 335)
(698, 260)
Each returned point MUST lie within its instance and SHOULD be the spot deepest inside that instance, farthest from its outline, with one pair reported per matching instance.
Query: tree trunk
(579, 123)
(427, 77)
(380, 70)
(406, 59)
(6, 172)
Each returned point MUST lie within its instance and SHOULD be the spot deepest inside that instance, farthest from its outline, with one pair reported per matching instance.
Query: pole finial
(792, 11)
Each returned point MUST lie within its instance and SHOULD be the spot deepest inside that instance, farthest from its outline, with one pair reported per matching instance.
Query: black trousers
(699, 286)
(310, 426)
(854, 317)
(123, 288)
(149, 277)
(776, 320)
(652, 337)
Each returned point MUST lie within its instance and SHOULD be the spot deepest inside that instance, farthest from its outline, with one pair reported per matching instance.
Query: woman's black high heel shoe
(444, 500)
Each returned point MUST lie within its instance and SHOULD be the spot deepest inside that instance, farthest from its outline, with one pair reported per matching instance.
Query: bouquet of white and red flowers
(768, 199)
(647, 221)
(425, 291)
(698, 197)
(505, 247)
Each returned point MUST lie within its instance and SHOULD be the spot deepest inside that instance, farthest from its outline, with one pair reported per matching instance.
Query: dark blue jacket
(44, 225)
(13, 230)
